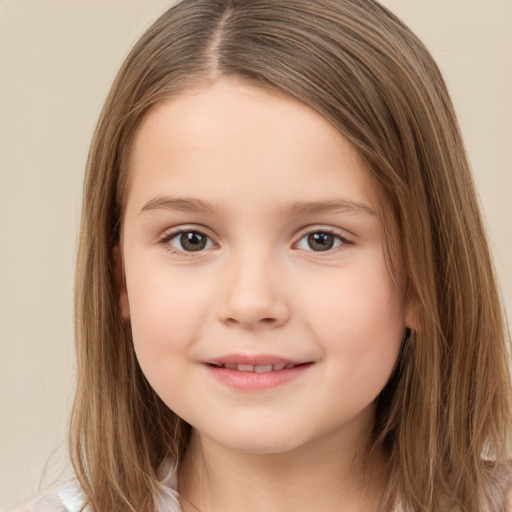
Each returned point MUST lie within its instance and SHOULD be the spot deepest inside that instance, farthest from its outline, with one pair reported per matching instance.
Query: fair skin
(261, 306)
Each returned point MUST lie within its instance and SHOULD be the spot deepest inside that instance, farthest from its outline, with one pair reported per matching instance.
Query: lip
(254, 359)
(255, 379)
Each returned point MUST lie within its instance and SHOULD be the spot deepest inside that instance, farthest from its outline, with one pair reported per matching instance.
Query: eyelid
(319, 228)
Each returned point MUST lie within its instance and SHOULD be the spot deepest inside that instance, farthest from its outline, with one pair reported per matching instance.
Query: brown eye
(190, 241)
(320, 241)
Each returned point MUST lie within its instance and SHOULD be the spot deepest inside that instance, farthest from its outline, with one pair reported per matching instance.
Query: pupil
(320, 241)
(192, 241)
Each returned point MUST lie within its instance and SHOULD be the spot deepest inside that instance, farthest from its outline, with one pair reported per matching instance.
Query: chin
(260, 442)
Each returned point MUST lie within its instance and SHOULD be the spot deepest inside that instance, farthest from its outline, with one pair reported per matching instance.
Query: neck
(327, 474)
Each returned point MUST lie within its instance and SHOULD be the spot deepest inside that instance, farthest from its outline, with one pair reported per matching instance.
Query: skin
(259, 287)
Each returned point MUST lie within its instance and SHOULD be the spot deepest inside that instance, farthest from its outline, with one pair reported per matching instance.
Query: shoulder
(67, 500)
(70, 498)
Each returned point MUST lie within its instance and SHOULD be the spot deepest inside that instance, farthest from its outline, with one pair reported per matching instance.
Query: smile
(256, 368)
(255, 373)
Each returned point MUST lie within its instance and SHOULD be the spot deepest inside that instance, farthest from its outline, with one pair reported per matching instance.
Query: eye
(320, 241)
(188, 241)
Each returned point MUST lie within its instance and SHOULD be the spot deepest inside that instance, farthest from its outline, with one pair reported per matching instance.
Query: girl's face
(261, 306)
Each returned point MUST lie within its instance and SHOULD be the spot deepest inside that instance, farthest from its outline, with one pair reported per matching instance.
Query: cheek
(361, 302)
(359, 324)
(167, 311)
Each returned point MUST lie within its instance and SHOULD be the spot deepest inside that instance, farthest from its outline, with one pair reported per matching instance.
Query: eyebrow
(193, 205)
(328, 206)
(181, 204)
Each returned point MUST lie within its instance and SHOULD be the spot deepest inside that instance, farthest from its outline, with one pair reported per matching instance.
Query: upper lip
(254, 360)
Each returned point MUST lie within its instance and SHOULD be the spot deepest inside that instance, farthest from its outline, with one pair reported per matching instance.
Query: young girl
(285, 299)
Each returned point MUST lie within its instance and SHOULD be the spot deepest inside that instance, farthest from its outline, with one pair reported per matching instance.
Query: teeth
(255, 368)
(245, 368)
(263, 368)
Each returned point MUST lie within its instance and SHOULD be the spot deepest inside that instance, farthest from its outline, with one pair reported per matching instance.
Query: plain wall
(57, 61)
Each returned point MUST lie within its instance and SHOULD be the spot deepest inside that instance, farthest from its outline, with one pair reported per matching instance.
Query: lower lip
(252, 381)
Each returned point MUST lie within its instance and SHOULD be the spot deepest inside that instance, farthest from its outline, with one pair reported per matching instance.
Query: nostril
(261, 321)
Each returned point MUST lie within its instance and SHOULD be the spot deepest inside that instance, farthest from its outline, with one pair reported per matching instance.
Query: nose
(253, 295)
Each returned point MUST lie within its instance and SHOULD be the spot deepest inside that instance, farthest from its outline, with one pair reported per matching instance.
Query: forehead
(229, 133)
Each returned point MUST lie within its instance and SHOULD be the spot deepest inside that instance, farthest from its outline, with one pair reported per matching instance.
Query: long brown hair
(445, 416)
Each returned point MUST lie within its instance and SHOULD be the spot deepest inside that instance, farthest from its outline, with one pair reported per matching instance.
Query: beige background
(57, 61)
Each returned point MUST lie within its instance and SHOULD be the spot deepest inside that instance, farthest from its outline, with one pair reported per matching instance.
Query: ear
(122, 292)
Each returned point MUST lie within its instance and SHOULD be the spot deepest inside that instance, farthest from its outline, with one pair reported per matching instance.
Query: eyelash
(165, 240)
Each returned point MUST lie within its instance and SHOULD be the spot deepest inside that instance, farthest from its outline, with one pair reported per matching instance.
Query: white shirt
(71, 499)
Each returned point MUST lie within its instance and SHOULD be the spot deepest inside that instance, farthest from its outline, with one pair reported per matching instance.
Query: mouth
(257, 368)
(256, 373)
